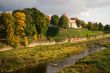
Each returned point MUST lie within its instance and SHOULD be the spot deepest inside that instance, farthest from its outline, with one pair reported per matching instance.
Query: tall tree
(90, 25)
(54, 20)
(40, 20)
(101, 27)
(83, 24)
(78, 23)
(63, 21)
(30, 29)
(20, 23)
(95, 26)
(2, 28)
(8, 21)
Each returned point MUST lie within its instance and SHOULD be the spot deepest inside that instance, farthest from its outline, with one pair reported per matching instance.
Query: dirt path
(6, 48)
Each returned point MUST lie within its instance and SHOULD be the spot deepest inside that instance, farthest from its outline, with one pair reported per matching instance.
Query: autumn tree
(19, 23)
(54, 20)
(63, 21)
(8, 21)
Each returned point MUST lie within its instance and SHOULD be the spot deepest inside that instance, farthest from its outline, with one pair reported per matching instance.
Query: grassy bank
(56, 33)
(21, 58)
(98, 62)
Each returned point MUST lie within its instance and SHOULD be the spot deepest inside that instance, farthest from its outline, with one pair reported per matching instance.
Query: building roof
(72, 18)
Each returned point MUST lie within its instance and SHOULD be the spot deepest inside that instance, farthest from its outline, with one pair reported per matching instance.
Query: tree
(101, 27)
(78, 23)
(95, 26)
(107, 27)
(19, 23)
(8, 21)
(63, 21)
(30, 29)
(54, 20)
(90, 25)
(2, 28)
(39, 20)
(83, 24)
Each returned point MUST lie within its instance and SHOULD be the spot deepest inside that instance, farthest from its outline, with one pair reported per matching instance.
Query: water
(51, 68)
(56, 66)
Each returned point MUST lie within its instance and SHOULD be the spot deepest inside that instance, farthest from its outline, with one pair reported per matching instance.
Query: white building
(72, 23)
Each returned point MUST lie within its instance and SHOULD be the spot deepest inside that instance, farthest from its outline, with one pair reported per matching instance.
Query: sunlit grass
(18, 58)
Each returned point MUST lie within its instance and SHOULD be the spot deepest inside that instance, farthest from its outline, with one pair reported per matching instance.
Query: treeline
(22, 23)
(64, 20)
(17, 26)
(92, 26)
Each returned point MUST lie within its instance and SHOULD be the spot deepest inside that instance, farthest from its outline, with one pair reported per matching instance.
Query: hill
(61, 34)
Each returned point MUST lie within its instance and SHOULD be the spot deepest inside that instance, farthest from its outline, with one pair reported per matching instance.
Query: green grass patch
(61, 34)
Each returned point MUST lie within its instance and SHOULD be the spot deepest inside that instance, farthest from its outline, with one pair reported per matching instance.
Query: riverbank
(27, 57)
(97, 62)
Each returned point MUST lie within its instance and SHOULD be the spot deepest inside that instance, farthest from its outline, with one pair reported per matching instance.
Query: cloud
(97, 3)
(71, 7)
(6, 5)
(85, 14)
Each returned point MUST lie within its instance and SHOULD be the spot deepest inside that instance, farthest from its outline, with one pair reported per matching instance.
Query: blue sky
(88, 10)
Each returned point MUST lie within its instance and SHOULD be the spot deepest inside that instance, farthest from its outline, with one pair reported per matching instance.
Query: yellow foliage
(25, 41)
(20, 16)
(35, 37)
(20, 22)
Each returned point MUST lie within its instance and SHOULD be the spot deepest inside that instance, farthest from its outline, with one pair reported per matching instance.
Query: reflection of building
(72, 23)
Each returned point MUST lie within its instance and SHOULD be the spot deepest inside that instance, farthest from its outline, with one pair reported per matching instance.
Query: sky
(88, 10)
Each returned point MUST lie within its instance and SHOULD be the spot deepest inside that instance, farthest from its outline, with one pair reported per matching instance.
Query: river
(56, 66)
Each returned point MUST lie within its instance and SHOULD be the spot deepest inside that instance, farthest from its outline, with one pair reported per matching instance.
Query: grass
(98, 62)
(61, 34)
(21, 58)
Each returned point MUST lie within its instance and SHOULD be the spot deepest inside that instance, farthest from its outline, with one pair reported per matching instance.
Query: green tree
(54, 20)
(30, 29)
(39, 20)
(78, 23)
(2, 28)
(101, 27)
(83, 24)
(63, 21)
(107, 27)
(95, 26)
(90, 25)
